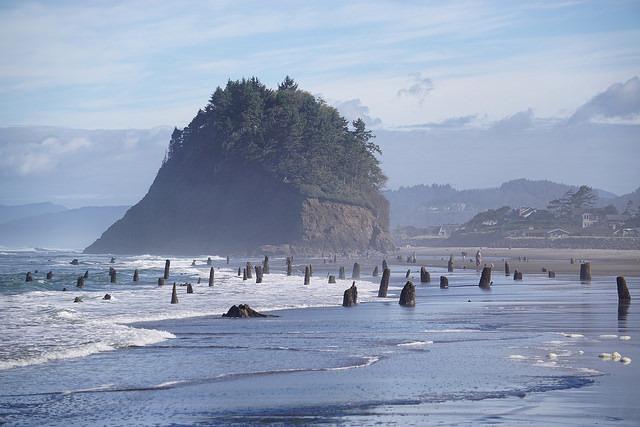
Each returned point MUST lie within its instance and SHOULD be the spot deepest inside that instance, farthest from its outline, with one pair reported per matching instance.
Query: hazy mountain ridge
(13, 212)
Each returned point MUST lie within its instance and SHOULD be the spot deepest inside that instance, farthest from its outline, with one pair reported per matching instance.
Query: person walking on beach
(478, 260)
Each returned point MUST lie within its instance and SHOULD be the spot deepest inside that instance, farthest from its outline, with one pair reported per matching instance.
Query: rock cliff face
(210, 198)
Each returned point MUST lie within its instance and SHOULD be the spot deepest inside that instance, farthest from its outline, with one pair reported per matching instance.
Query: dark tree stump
(167, 264)
(350, 297)
(425, 277)
(307, 274)
(289, 266)
(406, 276)
(341, 274)
(450, 264)
(174, 295)
(485, 278)
(227, 259)
(211, 274)
(86, 274)
(444, 282)
(332, 279)
(189, 288)
(249, 270)
(623, 290)
(408, 295)
(80, 282)
(375, 271)
(259, 273)
(506, 269)
(113, 275)
(74, 261)
(113, 260)
(384, 265)
(517, 275)
(28, 277)
(243, 311)
(244, 274)
(106, 297)
(551, 274)
(77, 299)
(50, 275)
(135, 275)
(265, 265)
(160, 281)
(355, 275)
(239, 271)
(384, 283)
(310, 270)
(585, 272)
(209, 261)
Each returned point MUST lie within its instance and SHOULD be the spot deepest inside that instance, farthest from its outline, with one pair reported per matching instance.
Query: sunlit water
(523, 353)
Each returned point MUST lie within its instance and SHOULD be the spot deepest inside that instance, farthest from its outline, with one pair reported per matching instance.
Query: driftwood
(408, 295)
(384, 283)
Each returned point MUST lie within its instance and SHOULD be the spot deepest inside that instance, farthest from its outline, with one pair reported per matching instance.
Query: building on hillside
(627, 232)
(616, 222)
(589, 220)
(525, 212)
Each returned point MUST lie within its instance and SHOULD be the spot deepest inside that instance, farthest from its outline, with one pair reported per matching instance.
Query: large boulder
(243, 311)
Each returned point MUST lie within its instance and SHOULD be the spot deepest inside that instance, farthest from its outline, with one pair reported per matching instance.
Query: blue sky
(138, 64)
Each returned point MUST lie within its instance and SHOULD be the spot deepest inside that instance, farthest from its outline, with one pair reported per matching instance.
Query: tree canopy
(288, 132)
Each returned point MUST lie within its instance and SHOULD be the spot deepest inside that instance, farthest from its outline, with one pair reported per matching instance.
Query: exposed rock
(243, 311)
(106, 297)
(444, 282)
(623, 290)
(74, 261)
(356, 271)
(332, 279)
(425, 277)
(174, 295)
(211, 274)
(77, 299)
(485, 278)
(350, 296)
(408, 295)
(189, 288)
(585, 272)
(28, 277)
(384, 283)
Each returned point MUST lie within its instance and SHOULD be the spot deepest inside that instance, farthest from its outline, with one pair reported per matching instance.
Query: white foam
(415, 343)
(625, 360)
(625, 337)
(517, 357)
(570, 335)
(608, 336)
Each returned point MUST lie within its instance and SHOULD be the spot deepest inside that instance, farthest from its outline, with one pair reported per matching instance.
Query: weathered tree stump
(506, 269)
(193, 263)
(350, 297)
(485, 278)
(167, 264)
(408, 295)
(189, 288)
(355, 275)
(106, 297)
(74, 261)
(572, 261)
(160, 281)
(113, 275)
(265, 265)
(450, 264)
(244, 274)
(375, 271)
(310, 270)
(80, 282)
(332, 279)
(444, 282)
(86, 274)
(174, 295)
(135, 275)
(307, 275)
(209, 261)
(239, 271)
(289, 266)
(227, 259)
(50, 275)
(211, 274)
(384, 265)
(113, 260)
(585, 272)
(425, 277)
(341, 274)
(242, 311)
(517, 275)
(249, 270)
(406, 276)
(259, 273)
(77, 299)
(384, 283)
(199, 280)
(551, 274)
(623, 290)
(28, 277)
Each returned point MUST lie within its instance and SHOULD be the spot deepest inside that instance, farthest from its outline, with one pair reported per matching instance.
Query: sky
(484, 74)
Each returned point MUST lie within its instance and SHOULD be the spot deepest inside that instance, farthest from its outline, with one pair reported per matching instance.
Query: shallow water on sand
(523, 353)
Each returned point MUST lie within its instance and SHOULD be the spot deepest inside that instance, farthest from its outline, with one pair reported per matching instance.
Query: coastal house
(627, 232)
(557, 233)
(589, 220)
(616, 222)
(525, 211)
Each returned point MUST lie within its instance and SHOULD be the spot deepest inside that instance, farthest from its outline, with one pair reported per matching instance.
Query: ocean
(523, 353)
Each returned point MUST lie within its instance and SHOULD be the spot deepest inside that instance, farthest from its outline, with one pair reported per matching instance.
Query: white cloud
(620, 102)
(419, 88)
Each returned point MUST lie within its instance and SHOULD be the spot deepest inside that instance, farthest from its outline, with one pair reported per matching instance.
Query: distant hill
(68, 229)
(427, 205)
(10, 213)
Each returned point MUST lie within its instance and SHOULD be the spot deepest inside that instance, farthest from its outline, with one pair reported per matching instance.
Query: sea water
(523, 353)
